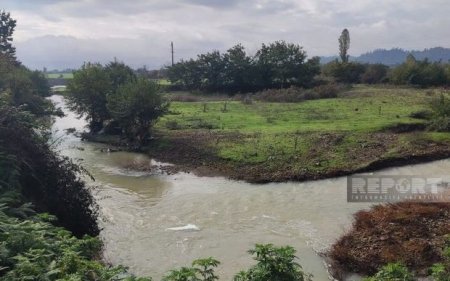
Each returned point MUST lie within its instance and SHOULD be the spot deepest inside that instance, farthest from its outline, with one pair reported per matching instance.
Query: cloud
(140, 32)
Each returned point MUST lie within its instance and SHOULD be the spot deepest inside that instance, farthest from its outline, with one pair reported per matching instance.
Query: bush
(295, 94)
(440, 107)
(392, 272)
(420, 73)
(50, 181)
(274, 263)
(136, 106)
(439, 124)
(375, 73)
(422, 114)
(350, 72)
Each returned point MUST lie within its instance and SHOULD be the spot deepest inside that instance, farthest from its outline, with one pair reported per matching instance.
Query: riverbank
(414, 234)
(363, 129)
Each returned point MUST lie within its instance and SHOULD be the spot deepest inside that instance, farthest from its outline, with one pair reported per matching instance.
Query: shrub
(392, 272)
(295, 94)
(273, 263)
(50, 181)
(172, 125)
(439, 124)
(136, 106)
(440, 107)
(422, 114)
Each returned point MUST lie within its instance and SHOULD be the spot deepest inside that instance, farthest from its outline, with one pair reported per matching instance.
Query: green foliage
(201, 270)
(32, 248)
(392, 272)
(274, 263)
(375, 73)
(344, 72)
(280, 64)
(441, 271)
(119, 74)
(420, 73)
(440, 107)
(113, 93)
(87, 93)
(344, 45)
(238, 69)
(136, 106)
(277, 65)
(40, 175)
(7, 25)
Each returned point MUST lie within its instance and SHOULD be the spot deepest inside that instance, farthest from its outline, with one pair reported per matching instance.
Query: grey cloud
(214, 3)
(140, 32)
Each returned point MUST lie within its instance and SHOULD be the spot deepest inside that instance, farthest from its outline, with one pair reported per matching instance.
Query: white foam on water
(191, 227)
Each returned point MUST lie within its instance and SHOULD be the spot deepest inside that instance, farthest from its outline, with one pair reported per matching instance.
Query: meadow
(67, 75)
(310, 139)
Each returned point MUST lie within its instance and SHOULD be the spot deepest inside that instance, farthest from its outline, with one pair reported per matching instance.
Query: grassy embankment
(261, 142)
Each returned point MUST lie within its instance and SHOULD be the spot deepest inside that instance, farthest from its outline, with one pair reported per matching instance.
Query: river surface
(154, 222)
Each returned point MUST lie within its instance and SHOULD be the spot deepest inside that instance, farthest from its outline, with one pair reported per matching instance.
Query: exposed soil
(407, 232)
(194, 152)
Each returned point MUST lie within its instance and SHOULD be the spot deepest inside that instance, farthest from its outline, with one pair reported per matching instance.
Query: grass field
(362, 109)
(311, 137)
(59, 75)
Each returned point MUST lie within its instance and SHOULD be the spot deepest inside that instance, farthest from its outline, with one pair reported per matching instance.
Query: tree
(7, 26)
(282, 64)
(237, 69)
(186, 74)
(344, 45)
(87, 93)
(420, 72)
(212, 68)
(136, 106)
(119, 74)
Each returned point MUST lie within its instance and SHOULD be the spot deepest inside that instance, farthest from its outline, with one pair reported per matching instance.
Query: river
(154, 222)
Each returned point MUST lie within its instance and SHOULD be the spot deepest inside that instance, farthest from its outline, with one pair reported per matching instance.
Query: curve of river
(154, 222)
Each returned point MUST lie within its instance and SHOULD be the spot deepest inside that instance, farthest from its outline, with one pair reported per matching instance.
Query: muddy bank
(197, 152)
(407, 232)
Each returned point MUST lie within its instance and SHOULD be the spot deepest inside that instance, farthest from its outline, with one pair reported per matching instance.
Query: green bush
(392, 272)
(274, 263)
(440, 107)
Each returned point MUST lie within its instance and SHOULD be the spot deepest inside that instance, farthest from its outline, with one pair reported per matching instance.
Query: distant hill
(397, 56)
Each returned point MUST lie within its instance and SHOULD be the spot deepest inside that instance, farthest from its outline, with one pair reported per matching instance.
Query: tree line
(280, 65)
(276, 65)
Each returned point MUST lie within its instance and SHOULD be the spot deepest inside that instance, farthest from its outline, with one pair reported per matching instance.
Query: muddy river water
(154, 222)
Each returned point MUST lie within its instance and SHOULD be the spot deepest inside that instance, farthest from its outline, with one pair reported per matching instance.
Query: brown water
(154, 222)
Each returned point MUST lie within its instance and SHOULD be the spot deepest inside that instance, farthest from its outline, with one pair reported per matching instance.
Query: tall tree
(237, 69)
(344, 45)
(87, 93)
(7, 26)
(282, 64)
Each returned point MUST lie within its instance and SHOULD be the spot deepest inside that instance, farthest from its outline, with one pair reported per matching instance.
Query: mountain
(397, 56)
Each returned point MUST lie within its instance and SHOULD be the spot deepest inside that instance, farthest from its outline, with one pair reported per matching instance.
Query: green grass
(163, 82)
(59, 75)
(369, 112)
(316, 136)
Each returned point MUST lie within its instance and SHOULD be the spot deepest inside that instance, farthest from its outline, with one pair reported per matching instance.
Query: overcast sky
(65, 33)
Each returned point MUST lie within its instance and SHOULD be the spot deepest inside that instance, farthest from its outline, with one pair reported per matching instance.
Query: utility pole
(171, 46)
